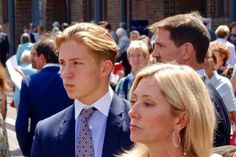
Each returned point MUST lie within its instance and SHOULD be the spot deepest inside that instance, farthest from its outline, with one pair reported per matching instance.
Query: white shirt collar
(103, 104)
(51, 65)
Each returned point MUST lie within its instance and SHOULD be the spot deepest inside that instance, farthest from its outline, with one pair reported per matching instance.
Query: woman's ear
(181, 122)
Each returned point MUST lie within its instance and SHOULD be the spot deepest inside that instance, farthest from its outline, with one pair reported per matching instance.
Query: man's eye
(76, 63)
(132, 102)
(62, 63)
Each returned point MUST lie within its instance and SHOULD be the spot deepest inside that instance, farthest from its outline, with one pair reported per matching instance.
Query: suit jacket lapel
(67, 134)
(113, 128)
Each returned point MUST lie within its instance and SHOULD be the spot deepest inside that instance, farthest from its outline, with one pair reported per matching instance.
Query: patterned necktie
(84, 147)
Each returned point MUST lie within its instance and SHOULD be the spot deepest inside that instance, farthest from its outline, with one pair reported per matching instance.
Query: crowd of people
(174, 94)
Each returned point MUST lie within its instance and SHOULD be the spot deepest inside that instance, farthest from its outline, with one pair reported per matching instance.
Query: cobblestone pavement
(10, 123)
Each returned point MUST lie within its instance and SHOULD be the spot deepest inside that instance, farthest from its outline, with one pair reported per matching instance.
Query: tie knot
(86, 113)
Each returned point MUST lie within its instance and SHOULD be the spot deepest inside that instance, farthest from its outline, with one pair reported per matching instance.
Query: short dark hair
(105, 24)
(46, 48)
(185, 28)
(233, 24)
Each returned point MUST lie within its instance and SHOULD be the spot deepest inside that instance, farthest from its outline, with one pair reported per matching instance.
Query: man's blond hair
(96, 38)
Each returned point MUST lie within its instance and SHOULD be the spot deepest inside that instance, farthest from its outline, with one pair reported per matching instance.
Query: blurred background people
(167, 117)
(232, 36)
(108, 27)
(4, 46)
(29, 30)
(134, 35)
(64, 26)
(138, 57)
(25, 44)
(221, 83)
(221, 54)
(222, 33)
(24, 69)
(123, 44)
(147, 41)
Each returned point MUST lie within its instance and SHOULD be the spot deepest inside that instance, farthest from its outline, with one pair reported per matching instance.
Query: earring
(176, 142)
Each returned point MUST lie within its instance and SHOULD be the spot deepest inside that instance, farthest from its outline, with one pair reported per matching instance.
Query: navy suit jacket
(42, 95)
(55, 136)
(222, 132)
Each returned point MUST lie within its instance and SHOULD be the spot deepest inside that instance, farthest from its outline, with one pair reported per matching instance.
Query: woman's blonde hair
(138, 45)
(96, 38)
(185, 92)
(222, 31)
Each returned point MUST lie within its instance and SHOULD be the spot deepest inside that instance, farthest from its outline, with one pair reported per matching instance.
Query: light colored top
(20, 50)
(27, 70)
(232, 58)
(97, 122)
(225, 89)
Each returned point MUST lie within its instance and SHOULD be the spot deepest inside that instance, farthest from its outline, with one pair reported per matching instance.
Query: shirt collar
(51, 65)
(201, 72)
(103, 104)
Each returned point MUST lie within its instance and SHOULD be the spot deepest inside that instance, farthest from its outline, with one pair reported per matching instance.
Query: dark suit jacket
(4, 47)
(42, 95)
(222, 132)
(55, 136)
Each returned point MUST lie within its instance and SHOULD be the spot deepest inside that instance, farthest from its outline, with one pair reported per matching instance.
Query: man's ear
(106, 67)
(188, 51)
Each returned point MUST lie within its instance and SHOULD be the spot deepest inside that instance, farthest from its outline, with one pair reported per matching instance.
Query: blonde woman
(171, 113)
(138, 57)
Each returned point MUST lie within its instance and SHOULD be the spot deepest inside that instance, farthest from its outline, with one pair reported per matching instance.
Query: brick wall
(150, 10)
(213, 12)
(3, 11)
(77, 10)
(56, 10)
(113, 13)
(22, 17)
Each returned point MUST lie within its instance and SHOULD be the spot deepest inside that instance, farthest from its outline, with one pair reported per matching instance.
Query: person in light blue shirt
(24, 45)
(24, 69)
(221, 83)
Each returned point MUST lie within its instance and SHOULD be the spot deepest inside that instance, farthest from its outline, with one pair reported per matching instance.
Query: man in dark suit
(185, 40)
(87, 54)
(4, 46)
(42, 94)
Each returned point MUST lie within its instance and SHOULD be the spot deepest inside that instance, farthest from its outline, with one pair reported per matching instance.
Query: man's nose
(155, 53)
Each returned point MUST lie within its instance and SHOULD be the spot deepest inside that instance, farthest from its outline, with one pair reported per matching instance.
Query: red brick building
(15, 14)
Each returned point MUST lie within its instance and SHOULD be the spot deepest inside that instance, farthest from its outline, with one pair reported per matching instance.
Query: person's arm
(4, 105)
(233, 80)
(36, 150)
(22, 121)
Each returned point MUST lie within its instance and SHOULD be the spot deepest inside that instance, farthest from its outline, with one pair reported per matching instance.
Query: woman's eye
(148, 104)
